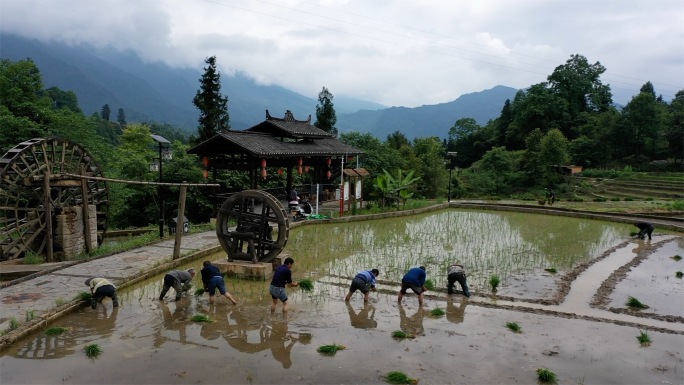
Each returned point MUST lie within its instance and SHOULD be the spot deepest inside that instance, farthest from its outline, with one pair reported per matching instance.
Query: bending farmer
(180, 280)
(212, 280)
(456, 272)
(644, 229)
(101, 288)
(414, 279)
(365, 282)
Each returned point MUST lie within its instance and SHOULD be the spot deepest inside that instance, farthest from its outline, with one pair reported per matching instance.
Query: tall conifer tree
(325, 112)
(212, 105)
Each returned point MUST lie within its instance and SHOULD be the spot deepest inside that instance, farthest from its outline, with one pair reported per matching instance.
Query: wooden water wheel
(29, 202)
(252, 225)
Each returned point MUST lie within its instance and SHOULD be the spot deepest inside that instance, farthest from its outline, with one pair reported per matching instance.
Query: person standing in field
(414, 279)
(364, 282)
(281, 277)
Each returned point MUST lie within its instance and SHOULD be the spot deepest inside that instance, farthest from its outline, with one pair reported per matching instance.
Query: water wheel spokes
(23, 195)
(252, 225)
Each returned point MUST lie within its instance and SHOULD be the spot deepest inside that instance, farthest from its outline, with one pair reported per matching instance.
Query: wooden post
(86, 211)
(48, 218)
(179, 222)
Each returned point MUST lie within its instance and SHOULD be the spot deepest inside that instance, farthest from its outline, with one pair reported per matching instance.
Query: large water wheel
(252, 225)
(24, 193)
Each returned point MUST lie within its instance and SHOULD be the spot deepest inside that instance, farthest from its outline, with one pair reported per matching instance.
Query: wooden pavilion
(287, 144)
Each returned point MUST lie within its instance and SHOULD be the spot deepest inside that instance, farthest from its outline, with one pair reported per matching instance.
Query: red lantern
(329, 161)
(206, 174)
(299, 167)
(205, 161)
(306, 168)
(263, 168)
(280, 171)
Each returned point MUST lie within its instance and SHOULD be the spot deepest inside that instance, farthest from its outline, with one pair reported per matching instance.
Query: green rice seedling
(306, 284)
(644, 339)
(30, 315)
(199, 291)
(494, 281)
(14, 324)
(200, 318)
(677, 257)
(546, 376)
(396, 377)
(85, 296)
(330, 350)
(92, 350)
(635, 303)
(514, 327)
(552, 270)
(679, 274)
(429, 284)
(400, 334)
(437, 312)
(53, 331)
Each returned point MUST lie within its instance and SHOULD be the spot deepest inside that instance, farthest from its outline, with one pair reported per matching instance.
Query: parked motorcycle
(302, 210)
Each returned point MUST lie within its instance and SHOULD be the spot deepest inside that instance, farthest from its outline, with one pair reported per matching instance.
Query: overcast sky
(394, 52)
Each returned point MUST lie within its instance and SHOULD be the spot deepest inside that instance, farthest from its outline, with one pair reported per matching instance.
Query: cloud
(392, 52)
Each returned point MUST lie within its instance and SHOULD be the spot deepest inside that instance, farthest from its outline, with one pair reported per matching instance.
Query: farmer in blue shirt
(281, 277)
(365, 282)
(212, 280)
(414, 280)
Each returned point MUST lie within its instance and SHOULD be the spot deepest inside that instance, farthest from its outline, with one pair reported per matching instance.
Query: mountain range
(156, 92)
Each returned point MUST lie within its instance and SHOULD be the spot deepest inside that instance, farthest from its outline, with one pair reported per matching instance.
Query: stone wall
(70, 233)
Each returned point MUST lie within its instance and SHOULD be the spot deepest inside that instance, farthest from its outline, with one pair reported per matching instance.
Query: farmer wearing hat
(101, 288)
(180, 280)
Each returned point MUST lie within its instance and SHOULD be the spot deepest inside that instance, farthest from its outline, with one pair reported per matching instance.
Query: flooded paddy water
(147, 341)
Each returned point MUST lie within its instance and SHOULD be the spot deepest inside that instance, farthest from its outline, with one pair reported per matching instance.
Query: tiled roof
(289, 127)
(263, 145)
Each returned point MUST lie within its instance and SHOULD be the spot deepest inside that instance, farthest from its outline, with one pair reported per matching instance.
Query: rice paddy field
(563, 285)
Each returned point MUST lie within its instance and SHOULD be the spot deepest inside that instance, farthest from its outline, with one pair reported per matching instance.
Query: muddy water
(148, 341)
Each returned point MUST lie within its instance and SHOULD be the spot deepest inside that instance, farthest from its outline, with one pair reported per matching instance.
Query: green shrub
(400, 334)
(32, 259)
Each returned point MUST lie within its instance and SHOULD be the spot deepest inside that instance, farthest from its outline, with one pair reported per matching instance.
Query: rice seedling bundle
(306, 284)
(55, 330)
(546, 376)
(330, 350)
(514, 327)
(437, 312)
(396, 377)
(635, 303)
(644, 339)
(200, 318)
(199, 291)
(429, 284)
(679, 274)
(93, 350)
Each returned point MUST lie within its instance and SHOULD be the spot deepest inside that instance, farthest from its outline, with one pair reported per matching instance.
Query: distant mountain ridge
(155, 92)
(430, 120)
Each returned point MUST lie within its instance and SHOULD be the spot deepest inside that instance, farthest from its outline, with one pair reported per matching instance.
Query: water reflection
(88, 326)
(275, 337)
(455, 314)
(364, 319)
(412, 325)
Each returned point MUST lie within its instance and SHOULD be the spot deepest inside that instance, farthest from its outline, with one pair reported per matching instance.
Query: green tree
(641, 116)
(675, 127)
(554, 153)
(121, 118)
(105, 112)
(212, 105)
(579, 84)
(397, 140)
(325, 112)
(434, 177)
(63, 99)
(497, 163)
